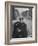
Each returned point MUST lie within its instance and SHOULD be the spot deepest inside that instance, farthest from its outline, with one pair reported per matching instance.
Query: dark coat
(22, 27)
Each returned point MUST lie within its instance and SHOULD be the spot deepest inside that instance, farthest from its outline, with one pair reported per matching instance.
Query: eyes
(17, 13)
(25, 14)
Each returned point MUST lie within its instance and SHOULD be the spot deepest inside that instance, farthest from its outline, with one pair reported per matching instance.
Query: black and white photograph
(20, 22)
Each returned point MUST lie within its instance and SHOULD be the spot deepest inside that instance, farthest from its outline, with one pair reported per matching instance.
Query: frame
(31, 9)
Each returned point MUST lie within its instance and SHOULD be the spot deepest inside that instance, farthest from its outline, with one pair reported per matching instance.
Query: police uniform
(20, 30)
